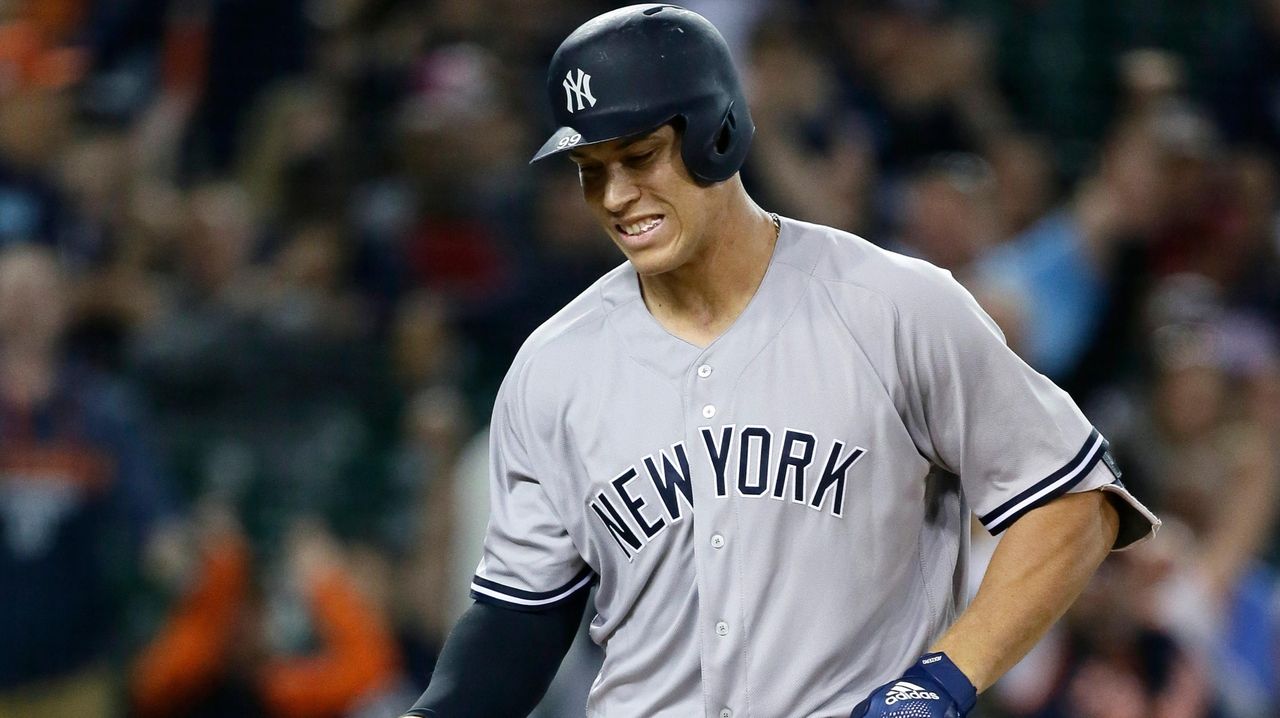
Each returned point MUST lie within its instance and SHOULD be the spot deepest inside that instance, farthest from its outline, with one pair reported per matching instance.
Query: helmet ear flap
(716, 142)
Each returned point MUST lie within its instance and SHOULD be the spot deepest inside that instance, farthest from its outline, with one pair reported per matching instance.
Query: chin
(648, 271)
(653, 261)
(650, 260)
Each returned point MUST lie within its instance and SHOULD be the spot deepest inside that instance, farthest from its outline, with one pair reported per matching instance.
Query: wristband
(957, 685)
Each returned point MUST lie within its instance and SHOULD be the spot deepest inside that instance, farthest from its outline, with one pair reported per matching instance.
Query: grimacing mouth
(639, 225)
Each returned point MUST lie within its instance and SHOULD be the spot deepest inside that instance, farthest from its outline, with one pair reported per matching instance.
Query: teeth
(641, 227)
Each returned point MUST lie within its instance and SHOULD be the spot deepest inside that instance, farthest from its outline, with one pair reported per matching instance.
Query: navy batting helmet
(637, 68)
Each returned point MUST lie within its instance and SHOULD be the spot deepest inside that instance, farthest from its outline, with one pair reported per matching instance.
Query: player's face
(646, 200)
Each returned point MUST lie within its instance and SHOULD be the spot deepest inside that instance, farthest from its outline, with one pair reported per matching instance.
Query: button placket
(720, 650)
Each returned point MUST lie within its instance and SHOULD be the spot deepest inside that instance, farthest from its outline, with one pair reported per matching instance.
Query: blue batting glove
(932, 688)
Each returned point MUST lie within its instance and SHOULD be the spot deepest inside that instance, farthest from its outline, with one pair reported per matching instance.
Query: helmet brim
(567, 138)
(564, 139)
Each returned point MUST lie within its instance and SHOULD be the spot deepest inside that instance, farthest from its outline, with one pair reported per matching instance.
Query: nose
(620, 190)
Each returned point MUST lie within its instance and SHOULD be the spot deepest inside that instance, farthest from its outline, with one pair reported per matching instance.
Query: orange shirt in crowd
(358, 654)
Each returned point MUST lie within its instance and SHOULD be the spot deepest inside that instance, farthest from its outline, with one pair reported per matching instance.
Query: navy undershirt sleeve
(498, 663)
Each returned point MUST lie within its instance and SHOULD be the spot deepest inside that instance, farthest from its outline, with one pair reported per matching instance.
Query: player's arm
(1039, 568)
(498, 662)
(1013, 439)
(531, 585)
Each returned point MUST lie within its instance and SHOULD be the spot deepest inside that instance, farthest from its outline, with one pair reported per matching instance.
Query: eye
(588, 174)
(642, 159)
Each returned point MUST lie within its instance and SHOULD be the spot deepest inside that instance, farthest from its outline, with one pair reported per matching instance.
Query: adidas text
(907, 692)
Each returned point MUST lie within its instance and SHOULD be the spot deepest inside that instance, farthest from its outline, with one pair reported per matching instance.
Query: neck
(700, 299)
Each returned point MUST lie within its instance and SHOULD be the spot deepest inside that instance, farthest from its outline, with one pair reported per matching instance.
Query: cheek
(594, 204)
(590, 191)
(690, 216)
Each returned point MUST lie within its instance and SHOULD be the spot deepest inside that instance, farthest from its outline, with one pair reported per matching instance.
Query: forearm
(498, 662)
(1040, 567)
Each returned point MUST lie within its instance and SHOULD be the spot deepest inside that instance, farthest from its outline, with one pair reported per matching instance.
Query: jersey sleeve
(976, 409)
(530, 562)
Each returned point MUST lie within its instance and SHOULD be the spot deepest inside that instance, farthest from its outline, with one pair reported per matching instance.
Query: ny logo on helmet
(580, 88)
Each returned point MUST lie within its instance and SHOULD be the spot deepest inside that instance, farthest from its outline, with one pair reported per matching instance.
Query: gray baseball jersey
(778, 522)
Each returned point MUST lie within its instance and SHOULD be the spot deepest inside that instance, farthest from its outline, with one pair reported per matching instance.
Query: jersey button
(717, 541)
(704, 371)
(722, 628)
(708, 411)
(726, 713)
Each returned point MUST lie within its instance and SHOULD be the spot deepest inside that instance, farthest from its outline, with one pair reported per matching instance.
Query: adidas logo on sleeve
(904, 691)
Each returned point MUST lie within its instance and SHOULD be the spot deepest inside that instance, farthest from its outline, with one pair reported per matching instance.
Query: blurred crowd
(264, 262)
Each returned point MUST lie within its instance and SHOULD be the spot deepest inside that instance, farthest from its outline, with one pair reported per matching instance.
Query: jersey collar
(649, 343)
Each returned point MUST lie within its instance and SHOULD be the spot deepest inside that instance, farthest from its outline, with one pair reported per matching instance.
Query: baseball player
(762, 439)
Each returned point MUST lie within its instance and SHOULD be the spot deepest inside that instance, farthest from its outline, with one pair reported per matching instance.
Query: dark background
(264, 262)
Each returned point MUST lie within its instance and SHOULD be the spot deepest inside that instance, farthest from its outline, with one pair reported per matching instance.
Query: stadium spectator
(82, 500)
(212, 658)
